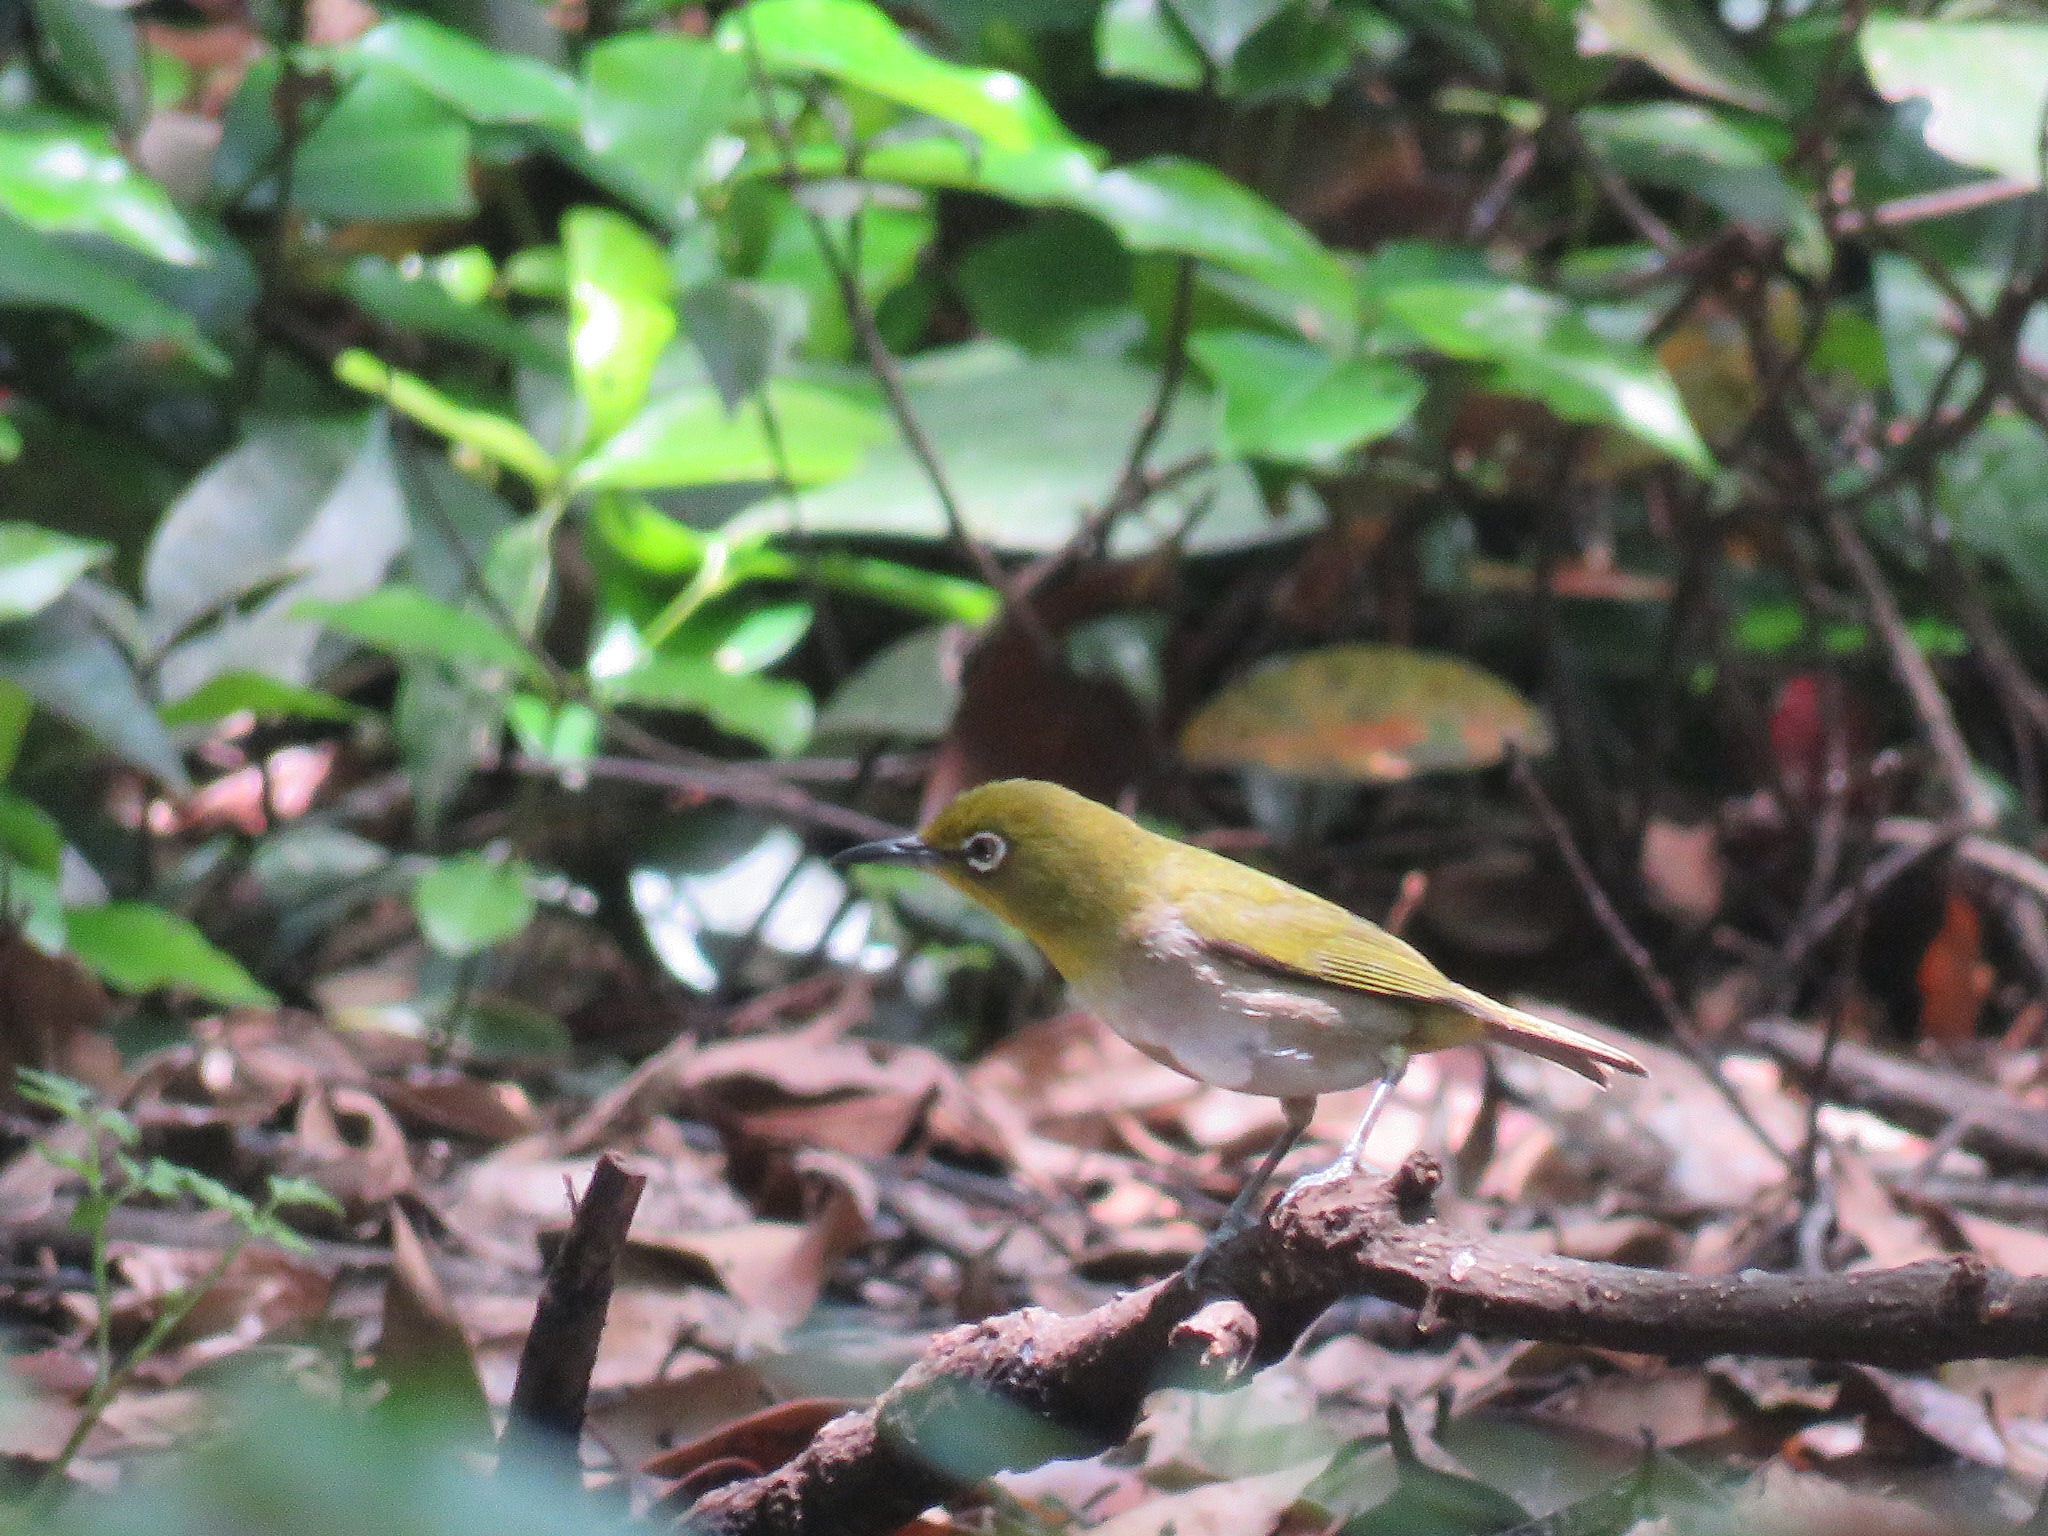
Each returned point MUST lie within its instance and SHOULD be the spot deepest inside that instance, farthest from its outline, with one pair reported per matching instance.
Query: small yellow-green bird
(1213, 968)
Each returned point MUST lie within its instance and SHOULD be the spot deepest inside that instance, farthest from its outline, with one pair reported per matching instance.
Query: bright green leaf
(484, 84)
(490, 434)
(763, 638)
(74, 181)
(38, 565)
(29, 836)
(469, 903)
(620, 315)
(137, 947)
(857, 44)
(688, 438)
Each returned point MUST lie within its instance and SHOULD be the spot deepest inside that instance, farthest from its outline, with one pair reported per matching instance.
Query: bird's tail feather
(1568, 1047)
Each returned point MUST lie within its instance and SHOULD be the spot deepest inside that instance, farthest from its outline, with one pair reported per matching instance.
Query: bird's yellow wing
(1270, 925)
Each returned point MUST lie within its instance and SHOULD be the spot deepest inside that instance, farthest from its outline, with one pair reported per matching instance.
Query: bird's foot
(1232, 1226)
(1345, 1167)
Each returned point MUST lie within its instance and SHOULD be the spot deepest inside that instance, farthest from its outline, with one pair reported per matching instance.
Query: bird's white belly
(1244, 1029)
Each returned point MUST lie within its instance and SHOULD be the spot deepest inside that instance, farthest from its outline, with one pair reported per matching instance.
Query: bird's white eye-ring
(983, 852)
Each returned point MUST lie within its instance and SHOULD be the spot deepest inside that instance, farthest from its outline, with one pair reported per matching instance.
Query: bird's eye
(983, 852)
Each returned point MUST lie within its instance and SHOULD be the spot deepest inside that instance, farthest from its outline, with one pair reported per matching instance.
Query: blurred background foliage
(497, 465)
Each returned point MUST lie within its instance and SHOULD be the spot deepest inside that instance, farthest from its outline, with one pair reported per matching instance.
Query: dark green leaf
(734, 333)
(69, 665)
(1049, 283)
(94, 50)
(38, 566)
(38, 272)
(469, 903)
(138, 948)
(906, 692)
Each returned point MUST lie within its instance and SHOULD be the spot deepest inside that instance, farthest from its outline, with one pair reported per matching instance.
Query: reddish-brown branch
(1022, 1389)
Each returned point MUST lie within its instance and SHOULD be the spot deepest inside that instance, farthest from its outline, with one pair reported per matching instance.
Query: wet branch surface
(1028, 1387)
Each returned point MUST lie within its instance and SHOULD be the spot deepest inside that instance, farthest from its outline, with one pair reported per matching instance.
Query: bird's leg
(1240, 1214)
(1353, 1156)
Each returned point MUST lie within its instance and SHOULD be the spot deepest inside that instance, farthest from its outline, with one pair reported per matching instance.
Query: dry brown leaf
(641, 1422)
(1671, 1407)
(1683, 873)
(764, 1439)
(1866, 1211)
(451, 1104)
(265, 1293)
(347, 1142)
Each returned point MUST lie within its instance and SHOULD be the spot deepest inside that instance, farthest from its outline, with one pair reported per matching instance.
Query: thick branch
(1015, 1391)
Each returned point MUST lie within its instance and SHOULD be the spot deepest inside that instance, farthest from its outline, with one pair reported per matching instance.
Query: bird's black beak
(890, 850)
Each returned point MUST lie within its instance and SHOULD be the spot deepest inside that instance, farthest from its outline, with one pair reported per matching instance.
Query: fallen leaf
(422, 1351)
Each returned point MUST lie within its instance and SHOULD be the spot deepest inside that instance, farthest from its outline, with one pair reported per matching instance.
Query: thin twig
(734, 784)
(1631, 949)
(1937, 720)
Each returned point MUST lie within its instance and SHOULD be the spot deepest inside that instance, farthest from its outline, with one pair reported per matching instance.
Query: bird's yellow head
(1066, 871)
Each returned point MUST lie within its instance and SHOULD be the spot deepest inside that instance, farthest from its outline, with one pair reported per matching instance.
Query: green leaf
(1029, 445)
(1187, 208)
(762, 638)
(65, 661)
(652, 104)
(620, 315)
(404, 621)
(38, 566)
(1220, 27)
(94, 50)
(881, 244)
(16, 708)
(300, 509)
(38, 272)
(496, 438)
(930, 593)
(1541, 347)
(774, 714)
(137, 947)
(1688, 148)
(734, 332)
(1985, 84)
(420, 302)
(483, 84)
(904, 692)
(469, 903)
(1140, 40)
(856, 44)
(1681, 42)
(1049, 284)
(234, 693)
(688, 438)
(386, 150)
(74, 181)
(30, 836)
(1291, 403)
